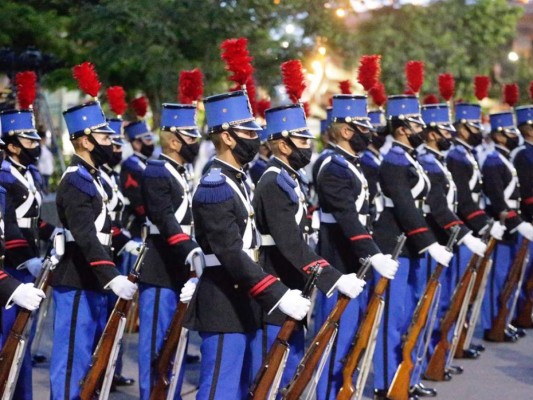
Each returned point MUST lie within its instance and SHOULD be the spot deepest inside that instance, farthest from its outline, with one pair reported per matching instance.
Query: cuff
(277, 304)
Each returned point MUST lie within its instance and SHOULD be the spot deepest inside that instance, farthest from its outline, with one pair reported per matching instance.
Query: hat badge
(224, 110)
(84, 118)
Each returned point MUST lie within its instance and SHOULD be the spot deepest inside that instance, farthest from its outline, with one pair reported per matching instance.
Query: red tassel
(481, 86)
(431, 99)
(26, 89)
(117, 99)
(414, 73)
(378, 94)
(531, 90)
(369, 71)
(191, 86)
(293, 79)
(261, 107)
(87, 78)
(446, 86)
(307, 109)
(238, 61)
(511, 94)
(140, 105)
(344, 86)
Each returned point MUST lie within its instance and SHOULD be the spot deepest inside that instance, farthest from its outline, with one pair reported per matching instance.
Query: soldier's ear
(227, 139)
(11, 148)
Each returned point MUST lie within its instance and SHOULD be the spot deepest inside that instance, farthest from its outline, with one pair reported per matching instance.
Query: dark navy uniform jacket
(130, 178)
(7, 283)
(228, 296)
(523, 162)
(370, 163)
(257, 169)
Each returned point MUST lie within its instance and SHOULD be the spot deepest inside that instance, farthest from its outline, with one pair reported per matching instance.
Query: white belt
(328, 218)
(512, 203)
(115, 215)
(418, 204)
(152, 229)
(426, 209)
(103, 238)
(27, 222)
(267, 240)
(211, 260)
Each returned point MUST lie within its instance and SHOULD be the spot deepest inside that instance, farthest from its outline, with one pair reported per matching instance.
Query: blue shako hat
(437, 115)
(404, 107)
(138, 130)
(286, 121)
(179, 118)
(351, 109)
(524, 115)
(18, 123)
(116, 124)
(229, 110)
(325, 123)
(503, 122)
(469, 114)
(86, 119)
(377, 118)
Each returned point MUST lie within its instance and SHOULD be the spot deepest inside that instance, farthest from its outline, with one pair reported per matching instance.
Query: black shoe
(38, 358)
(455, 370)
(507, 337)
(470, 353)
(190, 359)
(421, 391)
(478, 347)
(447, 376)
(380, 394)
(516, 331)
(119, 380)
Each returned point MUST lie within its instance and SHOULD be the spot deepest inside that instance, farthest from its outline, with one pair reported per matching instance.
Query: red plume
(446, 86)
(293, 79)
(87, 78)
(307, 108)
(531, 90)
(261, 106)
(431, 99)
(481, 86)
(191, 86)
(330, 101)
(378, 94)
(26, 89)
(251, 91)
(409, 91)
(344, 86)
(140, 105)
(414, 73)
(238, 60)
(369, 71)
(511, 94)
(117, 99)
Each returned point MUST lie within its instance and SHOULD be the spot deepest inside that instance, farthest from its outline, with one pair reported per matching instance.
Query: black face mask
(147, 150)
(474, 139)
(29, 156)
(188, 151)
(115, 160)
(443, 144)
(245, 149)
(512, 142)
(299, 158)
(379, 139)
(101, 154)
(2, 155)
(415, 139)
(360, 141)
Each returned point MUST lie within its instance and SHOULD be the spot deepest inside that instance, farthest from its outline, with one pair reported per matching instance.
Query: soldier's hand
(294, 305)
(27, 296)
(122, 287)
(474, 244)
(526, 230)
(440, 254)
(33, 265)
(132, 247)
(188, 290)
(497, 230)
(384, 265)
(350, 285)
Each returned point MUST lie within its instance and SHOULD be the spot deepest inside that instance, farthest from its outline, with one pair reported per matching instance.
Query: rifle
(267, 380)
(17, 340)
(97, 381)
(499, 323)
(320, 347)
(366, 337)
(524, 318)
(169, 360)
(399, 389)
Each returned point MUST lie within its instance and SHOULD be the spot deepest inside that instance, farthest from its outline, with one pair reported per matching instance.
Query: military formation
(411, 225)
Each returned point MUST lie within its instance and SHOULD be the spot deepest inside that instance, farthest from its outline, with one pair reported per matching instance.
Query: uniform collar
(78, 161)
(504, 151)
(438, 155)
(350, 157)
(408, 149)
(176, 165)
(462, 143)
(276, 162)
(141, 157)
(20, 168)
(237, 174)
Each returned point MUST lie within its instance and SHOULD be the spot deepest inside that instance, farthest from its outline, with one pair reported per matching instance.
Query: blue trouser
(396, 318)
(502, 259)
(156, 309)
(79, 320)
(331, 379)
(529, 270)
(23, 389)
(229, 364)
(296, 351)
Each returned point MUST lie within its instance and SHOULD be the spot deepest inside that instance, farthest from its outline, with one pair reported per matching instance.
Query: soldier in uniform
(167, 197)
(226, 307)
(501, 189)
(87, 267)
(405, 187)
(328, 143)
(343, 237)
(281, 208)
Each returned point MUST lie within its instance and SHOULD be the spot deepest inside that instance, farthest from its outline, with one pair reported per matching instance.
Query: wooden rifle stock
(523, 318)
(267, 373)
(499, 323)
(399, 389)
(365, 331)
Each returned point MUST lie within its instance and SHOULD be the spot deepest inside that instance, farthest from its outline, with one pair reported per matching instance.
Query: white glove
(27, 296)
(196, 260)
(384, 265)
(440, 254)
(497, 230)
(294, 305)
(526, 230)
(33, 265)
(350, 285)
(132, 247)
(474, 244)
(122, 287)
(188, 290)
(55, 232)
